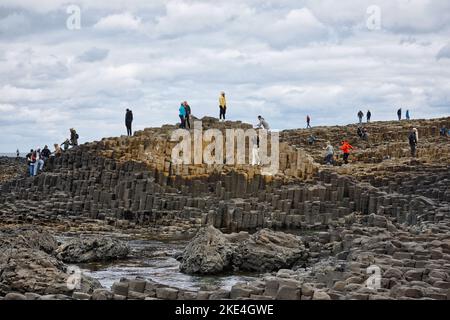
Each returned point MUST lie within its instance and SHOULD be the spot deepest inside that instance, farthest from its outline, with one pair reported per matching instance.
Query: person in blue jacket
(182, 114)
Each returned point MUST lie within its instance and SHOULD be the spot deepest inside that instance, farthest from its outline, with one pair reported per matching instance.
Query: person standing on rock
(73, 137)
(308, 121)
(222, 106)
(30, 162)
(399, 114)
(407, 115)
(360, 116)
(413, 140)
(17, 154)
(129, 121)
(187, 108)
(368, 115)
(182, 115)
(329, 153)
(346, 147)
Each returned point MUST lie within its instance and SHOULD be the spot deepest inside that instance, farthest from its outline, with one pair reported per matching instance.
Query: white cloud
(123, 21)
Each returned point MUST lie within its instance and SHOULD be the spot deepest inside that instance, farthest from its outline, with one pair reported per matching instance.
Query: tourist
(365, 134)
(66, 144)
(329, 153)
(346, 147)
(407, 115)
(73, 137)
(30, 161)
(57, 151)
(262, 123)
(187, 107)
(368, 115)
(311, 139)
(222, 106)
(45, 153)
(359, 132)
(182, 114)
(443, 131)
(413, 140)
(360, 116)
(399, 114)
(39, 165)
(308, 121)
(129, 121)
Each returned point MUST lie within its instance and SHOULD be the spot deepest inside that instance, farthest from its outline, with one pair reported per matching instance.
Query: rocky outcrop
(208, 253)
(268, 250)
(213, 252)
(25, 266)
(98, 248)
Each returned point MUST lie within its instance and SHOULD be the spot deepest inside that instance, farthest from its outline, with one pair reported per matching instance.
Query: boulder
(268, 250)
(208, 252)
(81, 250)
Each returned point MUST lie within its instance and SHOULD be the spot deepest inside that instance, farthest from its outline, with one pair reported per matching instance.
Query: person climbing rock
(187, 107)
(399, 114)
(413, 139)
(262, 124)
(73, 137)
(222, 106)
(66, 144)
(360, 116)
(255, 150)
(308, 121)
(346, 147)
(129, 121)
(359, 132)
(443, 131)
(368, 116)
(182, 115)
(329, 153)
(311, 139)
(57, 151)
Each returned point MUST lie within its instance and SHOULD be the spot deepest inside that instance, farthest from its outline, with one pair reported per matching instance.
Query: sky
(282, 59)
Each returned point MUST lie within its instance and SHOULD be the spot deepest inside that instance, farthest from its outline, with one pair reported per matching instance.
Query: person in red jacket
(346, 147)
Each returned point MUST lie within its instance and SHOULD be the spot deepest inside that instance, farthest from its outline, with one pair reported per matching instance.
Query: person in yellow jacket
(222, 106)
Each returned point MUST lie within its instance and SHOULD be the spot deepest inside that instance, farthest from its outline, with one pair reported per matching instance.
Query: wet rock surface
(98, 248)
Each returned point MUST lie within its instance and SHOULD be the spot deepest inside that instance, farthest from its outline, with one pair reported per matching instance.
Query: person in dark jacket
(187, 107)
(413, 139)
(128, 121)
(368, 115)
(73, 137)
(399, 114)
(360, 116)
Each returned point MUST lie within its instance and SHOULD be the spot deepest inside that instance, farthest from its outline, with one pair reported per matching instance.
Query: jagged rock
(29, 269)
(97, 248)
(268, 250)
(208, 253)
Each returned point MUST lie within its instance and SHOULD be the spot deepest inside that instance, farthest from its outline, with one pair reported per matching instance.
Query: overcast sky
(282, 59)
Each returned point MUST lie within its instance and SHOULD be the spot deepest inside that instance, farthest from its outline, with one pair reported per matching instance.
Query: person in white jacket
(262, 123)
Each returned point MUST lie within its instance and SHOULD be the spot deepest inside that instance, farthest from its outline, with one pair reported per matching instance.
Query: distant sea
(6, 154)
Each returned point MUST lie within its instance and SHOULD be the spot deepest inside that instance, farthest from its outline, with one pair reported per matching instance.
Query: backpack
(76, 136)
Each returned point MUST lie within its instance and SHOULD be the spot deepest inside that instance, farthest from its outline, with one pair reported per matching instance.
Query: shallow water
(154, 260)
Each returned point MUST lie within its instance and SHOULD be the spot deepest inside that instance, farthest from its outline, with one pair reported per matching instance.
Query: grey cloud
(444, 53)
(94, 54)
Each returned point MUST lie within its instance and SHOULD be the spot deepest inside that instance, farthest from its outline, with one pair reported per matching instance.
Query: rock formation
(384, 209)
